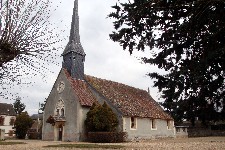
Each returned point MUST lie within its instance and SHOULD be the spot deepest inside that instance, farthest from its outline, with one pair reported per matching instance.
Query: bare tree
(28, 40)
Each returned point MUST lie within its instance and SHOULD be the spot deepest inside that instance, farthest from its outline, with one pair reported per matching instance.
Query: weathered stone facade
(69, 123)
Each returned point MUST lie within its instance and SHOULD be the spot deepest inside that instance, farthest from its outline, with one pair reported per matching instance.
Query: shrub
(107, 137)
(22, 124)
(101, 118)
(218, 127)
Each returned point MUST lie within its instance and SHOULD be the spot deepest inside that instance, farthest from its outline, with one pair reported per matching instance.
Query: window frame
(133, 123)
(169, 124)
(153, 124)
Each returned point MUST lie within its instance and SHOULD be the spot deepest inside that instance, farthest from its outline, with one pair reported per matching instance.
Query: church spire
(74, 44)
(74, 31)
(73, 55)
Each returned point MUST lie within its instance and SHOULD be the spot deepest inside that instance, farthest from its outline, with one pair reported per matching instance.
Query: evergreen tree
(22, 124)
(186, 39)
(101, 118)
(18, 106)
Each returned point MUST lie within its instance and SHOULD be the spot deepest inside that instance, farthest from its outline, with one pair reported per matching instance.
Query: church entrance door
(60, 132)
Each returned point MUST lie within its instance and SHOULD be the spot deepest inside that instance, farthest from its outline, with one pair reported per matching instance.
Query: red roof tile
(81, 89)
(129, 100)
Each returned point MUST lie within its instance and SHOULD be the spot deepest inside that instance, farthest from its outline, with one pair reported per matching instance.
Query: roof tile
(81, 89)
(7, 109)
(129, 100)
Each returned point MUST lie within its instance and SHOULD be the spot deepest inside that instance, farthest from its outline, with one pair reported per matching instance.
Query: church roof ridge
(116, 82)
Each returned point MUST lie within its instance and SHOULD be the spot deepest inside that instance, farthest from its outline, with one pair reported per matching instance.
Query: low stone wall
(204, 132)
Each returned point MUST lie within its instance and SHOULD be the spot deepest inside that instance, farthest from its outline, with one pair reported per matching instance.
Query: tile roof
(7, 109)
(36, 116)
(129, 100)
(81, 89)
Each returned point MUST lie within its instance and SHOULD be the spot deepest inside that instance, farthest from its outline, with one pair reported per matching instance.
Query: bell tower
(73, 55)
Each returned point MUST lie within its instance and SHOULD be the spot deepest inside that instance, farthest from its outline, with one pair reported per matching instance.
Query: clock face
(61, 86)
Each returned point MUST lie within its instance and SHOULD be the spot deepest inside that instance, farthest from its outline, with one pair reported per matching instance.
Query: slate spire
(74, 44)
(73, 55)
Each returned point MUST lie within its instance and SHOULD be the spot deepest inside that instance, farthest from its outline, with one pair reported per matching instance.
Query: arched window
(60, 108)
(62, 112)
(57, 112)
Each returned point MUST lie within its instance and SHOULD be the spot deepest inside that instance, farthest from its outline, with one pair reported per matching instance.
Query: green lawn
(87, 146)
(10, 143)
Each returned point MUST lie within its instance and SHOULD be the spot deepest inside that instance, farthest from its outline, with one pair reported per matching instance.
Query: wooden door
(60, 132)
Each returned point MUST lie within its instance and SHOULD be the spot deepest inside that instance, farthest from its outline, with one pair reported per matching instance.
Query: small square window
(133, 122)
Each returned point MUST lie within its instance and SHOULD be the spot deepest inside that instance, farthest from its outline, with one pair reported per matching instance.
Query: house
(7, 119)
(73, 94)
(37, 119)
(35, 131)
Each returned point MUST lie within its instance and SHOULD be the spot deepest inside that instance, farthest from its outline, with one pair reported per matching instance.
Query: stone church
(73, 94)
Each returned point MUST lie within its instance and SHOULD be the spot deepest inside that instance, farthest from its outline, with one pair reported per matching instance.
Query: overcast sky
(104, 58)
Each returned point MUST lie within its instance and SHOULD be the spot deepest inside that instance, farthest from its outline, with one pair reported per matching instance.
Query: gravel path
(205, 143)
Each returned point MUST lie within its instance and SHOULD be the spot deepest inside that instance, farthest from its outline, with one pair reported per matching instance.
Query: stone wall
(144, 130)
(203, 132)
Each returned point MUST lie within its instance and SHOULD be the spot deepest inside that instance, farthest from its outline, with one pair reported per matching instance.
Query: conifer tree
(18, 106)
(22, 124)
(101, 118)
(186, 39)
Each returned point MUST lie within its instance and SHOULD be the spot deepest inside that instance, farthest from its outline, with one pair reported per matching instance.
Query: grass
(87, 146)
(10, 143)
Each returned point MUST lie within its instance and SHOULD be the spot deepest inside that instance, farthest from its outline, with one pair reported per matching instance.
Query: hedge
(107, 137)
